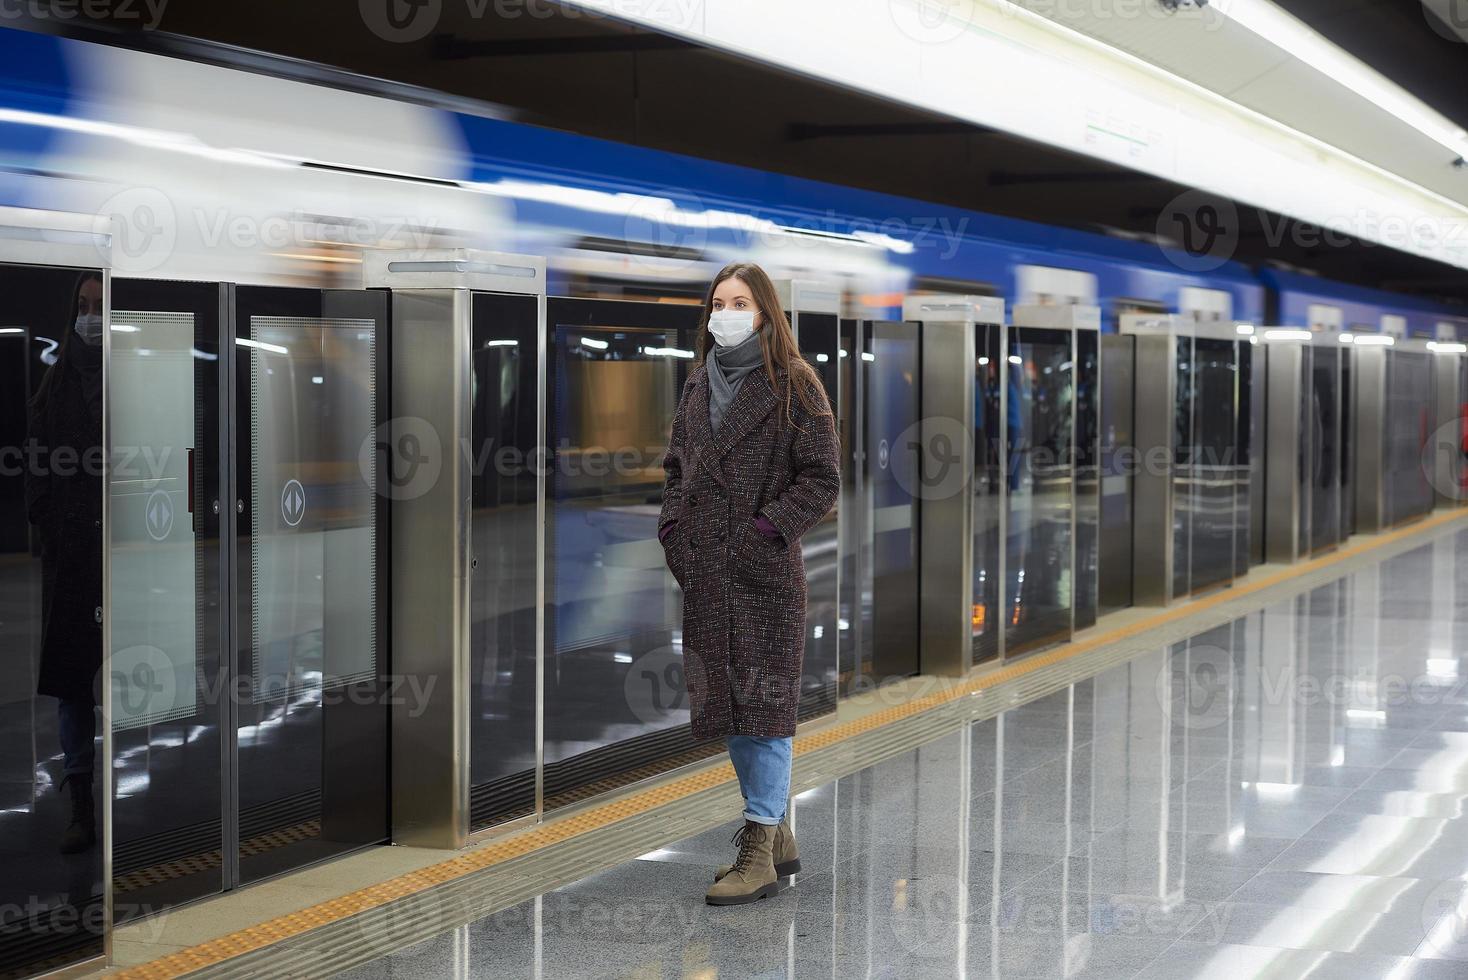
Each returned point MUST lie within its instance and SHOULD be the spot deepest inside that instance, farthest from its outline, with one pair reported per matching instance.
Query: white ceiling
(1207, 48)
(1192, 98)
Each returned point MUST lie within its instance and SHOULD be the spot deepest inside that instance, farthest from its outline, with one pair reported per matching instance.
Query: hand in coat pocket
(768, 529)
(763, 540)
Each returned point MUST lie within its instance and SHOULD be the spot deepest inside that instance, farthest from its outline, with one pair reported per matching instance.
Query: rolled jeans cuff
(763, 767)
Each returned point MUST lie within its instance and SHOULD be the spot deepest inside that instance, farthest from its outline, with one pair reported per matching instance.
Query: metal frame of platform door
(1289, 504)
(1447, 377)
(1153, 553)
(1071, 318)
(855, 405)
(229, 635)
(432, 303)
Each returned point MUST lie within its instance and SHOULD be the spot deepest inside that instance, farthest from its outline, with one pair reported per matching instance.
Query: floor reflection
(1281, 796)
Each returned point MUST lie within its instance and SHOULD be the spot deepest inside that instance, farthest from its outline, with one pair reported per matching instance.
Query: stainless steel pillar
(1287, 445)
(1153, 482)
(432, 296)
(946, 533)
(816, 296)
(1368, 435)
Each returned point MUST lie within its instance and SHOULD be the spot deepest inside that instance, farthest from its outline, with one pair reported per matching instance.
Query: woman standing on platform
(752, 464)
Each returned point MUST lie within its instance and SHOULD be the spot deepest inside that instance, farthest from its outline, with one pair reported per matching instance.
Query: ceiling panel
(1221, 56)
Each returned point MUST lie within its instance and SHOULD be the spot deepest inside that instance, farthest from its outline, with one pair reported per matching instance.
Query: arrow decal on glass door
(293, 502)
(158, 515)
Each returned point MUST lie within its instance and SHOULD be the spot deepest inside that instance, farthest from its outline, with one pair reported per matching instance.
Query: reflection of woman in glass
(753, 463)
(64, 501)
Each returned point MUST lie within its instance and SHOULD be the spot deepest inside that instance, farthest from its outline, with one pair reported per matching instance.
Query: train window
(949, 286)
(1127, 304)
(607, 268)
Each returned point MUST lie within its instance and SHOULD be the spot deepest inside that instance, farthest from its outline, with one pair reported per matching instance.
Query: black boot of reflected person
(81, 833)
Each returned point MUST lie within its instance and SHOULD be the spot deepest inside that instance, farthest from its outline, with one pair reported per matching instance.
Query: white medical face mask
(731, 327)
(89, 327)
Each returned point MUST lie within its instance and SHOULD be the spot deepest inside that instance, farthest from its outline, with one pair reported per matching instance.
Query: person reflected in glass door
(64, 502)
(753, 463)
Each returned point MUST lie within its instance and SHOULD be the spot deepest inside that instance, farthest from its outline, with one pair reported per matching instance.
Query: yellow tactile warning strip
(210, 860)
(559, 829)
(168, 871)
(583, 793)
(281, 837)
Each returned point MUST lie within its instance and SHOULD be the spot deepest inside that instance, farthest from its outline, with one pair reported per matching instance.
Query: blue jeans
(763, 767)
(77, 730)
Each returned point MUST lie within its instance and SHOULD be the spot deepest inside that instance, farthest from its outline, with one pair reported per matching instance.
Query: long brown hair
(777, 340)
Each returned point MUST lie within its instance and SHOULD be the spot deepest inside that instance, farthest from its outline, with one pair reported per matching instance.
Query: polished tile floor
(1280, 797)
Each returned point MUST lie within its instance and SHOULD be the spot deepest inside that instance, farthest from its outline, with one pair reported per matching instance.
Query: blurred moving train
(242, 203)
(213, 172)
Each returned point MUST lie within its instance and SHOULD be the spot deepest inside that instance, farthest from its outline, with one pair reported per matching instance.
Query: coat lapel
(699, 432)
(751, 404)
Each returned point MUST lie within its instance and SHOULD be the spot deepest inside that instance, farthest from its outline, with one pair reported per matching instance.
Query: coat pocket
(761, 550)
(675, 551)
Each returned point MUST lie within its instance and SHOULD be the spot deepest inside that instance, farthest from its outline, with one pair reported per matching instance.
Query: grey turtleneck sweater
(728, 367)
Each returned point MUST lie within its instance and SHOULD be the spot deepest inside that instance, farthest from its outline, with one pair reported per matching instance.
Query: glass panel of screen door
(50, 617)
(167, 620)
(311, 737)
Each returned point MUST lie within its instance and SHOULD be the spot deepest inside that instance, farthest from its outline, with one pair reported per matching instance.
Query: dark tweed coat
(744, 593)
(66, 507)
